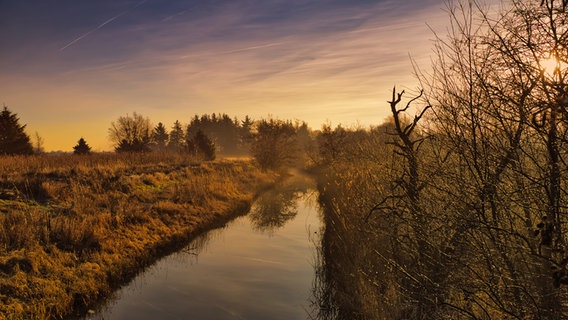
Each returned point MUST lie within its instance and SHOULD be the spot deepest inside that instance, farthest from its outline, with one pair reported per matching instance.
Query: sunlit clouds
(317, 61)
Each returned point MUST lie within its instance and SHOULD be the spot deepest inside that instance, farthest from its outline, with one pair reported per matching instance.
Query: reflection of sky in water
(241, 273)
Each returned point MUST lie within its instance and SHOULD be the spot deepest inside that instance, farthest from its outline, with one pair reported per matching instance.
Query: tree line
(15, 141)
(273, 143)
(205, 135)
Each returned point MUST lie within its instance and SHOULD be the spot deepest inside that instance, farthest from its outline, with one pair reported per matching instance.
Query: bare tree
(501, 117)
(470, 222)
(131, 133)
(38, 148)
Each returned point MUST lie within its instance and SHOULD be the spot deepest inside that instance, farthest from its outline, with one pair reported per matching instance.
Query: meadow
(73, 228)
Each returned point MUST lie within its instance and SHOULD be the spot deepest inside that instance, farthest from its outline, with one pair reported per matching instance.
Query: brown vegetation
(73, 227)
(463, 215)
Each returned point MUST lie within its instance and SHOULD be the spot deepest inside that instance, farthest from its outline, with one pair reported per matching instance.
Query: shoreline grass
(72, 228)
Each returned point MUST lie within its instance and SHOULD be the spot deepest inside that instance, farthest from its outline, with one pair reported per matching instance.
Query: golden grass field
(72, 228)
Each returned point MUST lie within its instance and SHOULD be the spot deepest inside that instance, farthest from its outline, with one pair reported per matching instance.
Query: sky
(69, 68)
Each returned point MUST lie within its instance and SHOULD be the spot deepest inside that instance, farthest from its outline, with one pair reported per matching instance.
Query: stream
(259, 266)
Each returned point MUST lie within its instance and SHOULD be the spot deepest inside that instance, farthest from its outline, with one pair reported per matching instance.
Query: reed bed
(73, 228)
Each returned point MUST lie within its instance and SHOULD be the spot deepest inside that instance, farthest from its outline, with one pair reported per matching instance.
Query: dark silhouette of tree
(160, 137)
(274, 144)
(133, 146)
(202, 145)
(176, 142)
(13, 138)
(225, 131)
(82, 147)
(246, 128)
(245, 134)
(331, 143)
(304, 144)
(131, 133)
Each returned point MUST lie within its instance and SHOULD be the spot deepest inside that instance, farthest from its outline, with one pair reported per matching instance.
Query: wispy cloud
(226, 62)
(312, 60)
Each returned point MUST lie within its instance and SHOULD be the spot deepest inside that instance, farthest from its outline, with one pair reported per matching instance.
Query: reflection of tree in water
(271, 211)
(274, 208)
(330, 299)
(323, 306)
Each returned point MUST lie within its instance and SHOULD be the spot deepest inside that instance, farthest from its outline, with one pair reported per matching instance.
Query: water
(260, 266)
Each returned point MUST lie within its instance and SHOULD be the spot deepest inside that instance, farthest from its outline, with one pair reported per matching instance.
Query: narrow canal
(260, 266)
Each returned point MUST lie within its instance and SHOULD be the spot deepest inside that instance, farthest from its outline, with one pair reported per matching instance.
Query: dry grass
(74, 227)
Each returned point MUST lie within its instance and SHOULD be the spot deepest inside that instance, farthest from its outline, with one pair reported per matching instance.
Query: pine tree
(82, 147)
(203, 145)
(176, 138)
(136, 145)
(13, 138)
(245, 134)
(160, 137)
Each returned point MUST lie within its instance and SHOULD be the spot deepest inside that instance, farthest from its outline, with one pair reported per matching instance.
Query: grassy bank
(72, 228)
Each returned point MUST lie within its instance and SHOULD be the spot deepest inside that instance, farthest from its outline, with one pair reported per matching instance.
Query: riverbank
(74, 228)
(265, 255)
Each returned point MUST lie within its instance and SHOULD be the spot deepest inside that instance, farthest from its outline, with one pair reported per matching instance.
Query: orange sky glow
(70, 69)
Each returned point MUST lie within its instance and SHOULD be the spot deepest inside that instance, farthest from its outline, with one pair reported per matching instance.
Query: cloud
(311, 60)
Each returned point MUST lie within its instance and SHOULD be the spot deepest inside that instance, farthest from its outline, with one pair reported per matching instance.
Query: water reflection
(275, 207)
(260, 266)
(331, 299)
(323, 306)
(190, 253)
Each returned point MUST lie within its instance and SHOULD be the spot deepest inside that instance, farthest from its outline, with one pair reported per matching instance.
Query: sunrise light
(551, 66)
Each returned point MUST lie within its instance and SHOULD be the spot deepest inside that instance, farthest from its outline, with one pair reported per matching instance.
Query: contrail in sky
(100, 26)
(253, 47)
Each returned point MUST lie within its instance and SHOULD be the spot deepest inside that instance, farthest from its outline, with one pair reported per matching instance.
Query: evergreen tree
(176, 138)
(136, 145)
(225, 131)
(200, 144)
(246, 130)
(246, 126)
(204, 145)
(13, 138)
(160, 137)
(82, 147)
